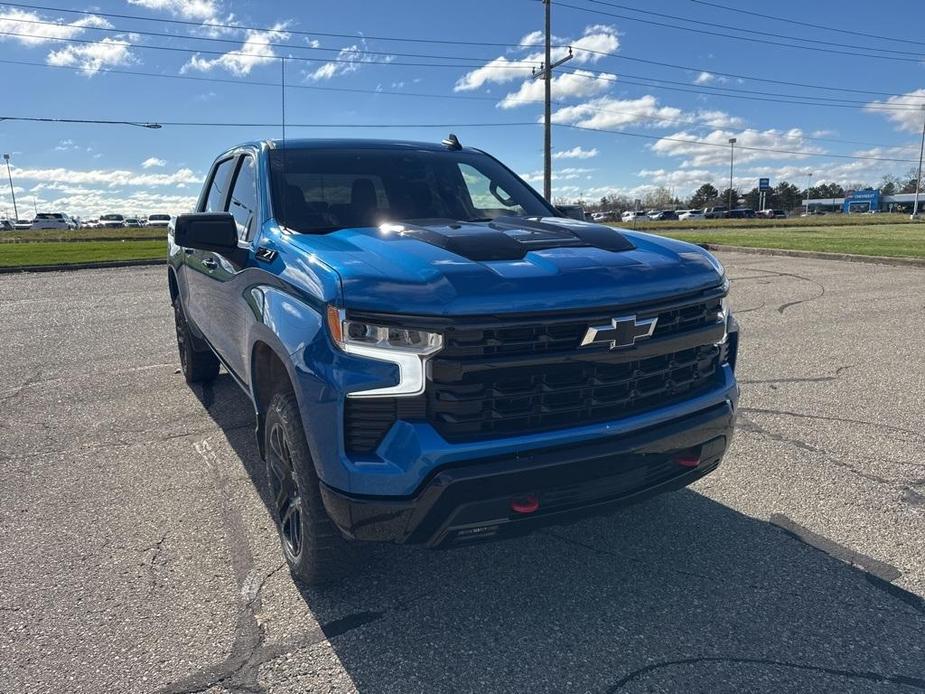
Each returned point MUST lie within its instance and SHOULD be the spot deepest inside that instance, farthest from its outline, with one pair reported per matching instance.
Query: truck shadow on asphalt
(679, 593)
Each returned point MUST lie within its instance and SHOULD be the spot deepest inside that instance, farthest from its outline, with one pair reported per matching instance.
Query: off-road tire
(197, 362)
(319, 553)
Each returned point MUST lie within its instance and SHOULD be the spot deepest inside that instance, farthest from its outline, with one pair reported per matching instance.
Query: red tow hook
(525, 504)
(688, 460)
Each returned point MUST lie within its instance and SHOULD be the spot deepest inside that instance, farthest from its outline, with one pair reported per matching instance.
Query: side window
(488, 198)
(243, 202)
(218, 186)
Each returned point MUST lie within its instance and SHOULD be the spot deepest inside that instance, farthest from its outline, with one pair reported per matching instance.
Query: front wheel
(198, 365)
(314, 548)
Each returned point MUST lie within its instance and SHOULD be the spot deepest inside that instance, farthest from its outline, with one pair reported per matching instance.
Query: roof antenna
(451, 142)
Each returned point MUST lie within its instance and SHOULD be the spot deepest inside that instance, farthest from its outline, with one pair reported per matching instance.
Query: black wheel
(198, 365)
(314, 548)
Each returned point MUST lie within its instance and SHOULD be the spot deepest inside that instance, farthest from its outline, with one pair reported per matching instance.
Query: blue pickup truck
(435, 355)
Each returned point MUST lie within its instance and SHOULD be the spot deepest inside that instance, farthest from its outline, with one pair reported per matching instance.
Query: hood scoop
(511, 238)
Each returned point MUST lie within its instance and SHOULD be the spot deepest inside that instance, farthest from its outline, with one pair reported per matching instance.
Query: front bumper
(473, 500)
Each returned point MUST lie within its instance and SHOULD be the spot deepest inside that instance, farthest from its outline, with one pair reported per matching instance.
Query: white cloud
(107, 177)
(92, 57)
(904, 111)
(188, 9)
(576, 153)
(20, 22)
(566, 174)
(151, 162)
(608, 112)
(678, 178)
(718, 119)
(704, 78)
(65, 145)
(348, 60)
(255, 51)
(578, 84)
(597, 38)
(685, 144)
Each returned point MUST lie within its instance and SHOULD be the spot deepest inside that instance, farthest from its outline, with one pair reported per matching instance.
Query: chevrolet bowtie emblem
(620, 332)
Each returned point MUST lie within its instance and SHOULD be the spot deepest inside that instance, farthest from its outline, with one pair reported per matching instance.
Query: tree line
(784, 195)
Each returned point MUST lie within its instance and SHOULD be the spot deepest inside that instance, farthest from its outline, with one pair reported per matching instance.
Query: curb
(820, 255)
(81, 266)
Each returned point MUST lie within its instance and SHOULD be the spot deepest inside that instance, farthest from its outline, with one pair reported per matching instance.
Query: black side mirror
(210, 231)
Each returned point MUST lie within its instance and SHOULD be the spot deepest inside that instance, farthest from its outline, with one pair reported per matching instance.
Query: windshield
(159, 218)
(324, 190)
(112, 217)
(47, 215)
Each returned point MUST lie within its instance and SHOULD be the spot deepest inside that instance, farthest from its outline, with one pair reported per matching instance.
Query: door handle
(209, 263)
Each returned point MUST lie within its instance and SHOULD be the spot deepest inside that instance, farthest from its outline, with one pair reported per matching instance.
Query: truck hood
(441, 267)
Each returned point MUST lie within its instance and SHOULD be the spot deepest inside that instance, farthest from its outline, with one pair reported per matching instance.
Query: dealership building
(865, 201)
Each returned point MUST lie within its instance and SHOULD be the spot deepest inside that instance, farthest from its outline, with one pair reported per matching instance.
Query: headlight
(407, 348)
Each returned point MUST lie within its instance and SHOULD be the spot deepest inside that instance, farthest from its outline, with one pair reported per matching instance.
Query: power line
(750, 39)
(823, 27)
(685, 122)
(524, 66)
(244, 27)
(272, 44)
(443, 126)
(612, 77)
(919, 54)
(619, 56)
(607, 76)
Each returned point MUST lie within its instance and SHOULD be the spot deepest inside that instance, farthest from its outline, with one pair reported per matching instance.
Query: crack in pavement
(749, 425)
(879, 678)
(813, 379)
(156, 561)
(784, 307)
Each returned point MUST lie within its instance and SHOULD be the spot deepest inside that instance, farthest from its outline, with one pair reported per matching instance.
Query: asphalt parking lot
(137, 555)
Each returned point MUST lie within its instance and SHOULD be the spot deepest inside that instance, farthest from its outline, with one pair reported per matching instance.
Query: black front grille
(497, 377)
(564, 333)
(538, 398)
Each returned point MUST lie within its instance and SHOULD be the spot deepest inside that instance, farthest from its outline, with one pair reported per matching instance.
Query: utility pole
(918, 180)
(732, 156)
(12, 192)
(546, 74)
(809, 181)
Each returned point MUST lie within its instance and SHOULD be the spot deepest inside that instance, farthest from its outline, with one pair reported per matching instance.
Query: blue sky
(93, 169)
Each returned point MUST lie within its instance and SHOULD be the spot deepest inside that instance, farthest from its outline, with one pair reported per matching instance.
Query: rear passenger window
(243, 202)
(218, 186)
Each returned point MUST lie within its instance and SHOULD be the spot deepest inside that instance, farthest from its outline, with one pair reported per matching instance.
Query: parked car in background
(690, 215)
(632, 216)
(112, 221)
(6, 225)
(22, 224)
(715, 212)
(772, 214)
(132, 222)
(607, 216)
(572, 211)
(89, 223)
(158, 220)
(663, 216)
(741, 213)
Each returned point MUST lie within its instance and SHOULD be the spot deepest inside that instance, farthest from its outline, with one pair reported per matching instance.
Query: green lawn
(81, 235)
(894, 240)
(827, 220)
(69, 253)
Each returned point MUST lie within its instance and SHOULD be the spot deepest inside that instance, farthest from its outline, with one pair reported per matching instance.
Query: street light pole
(12, 192)
(732, 155)
(918, 180)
